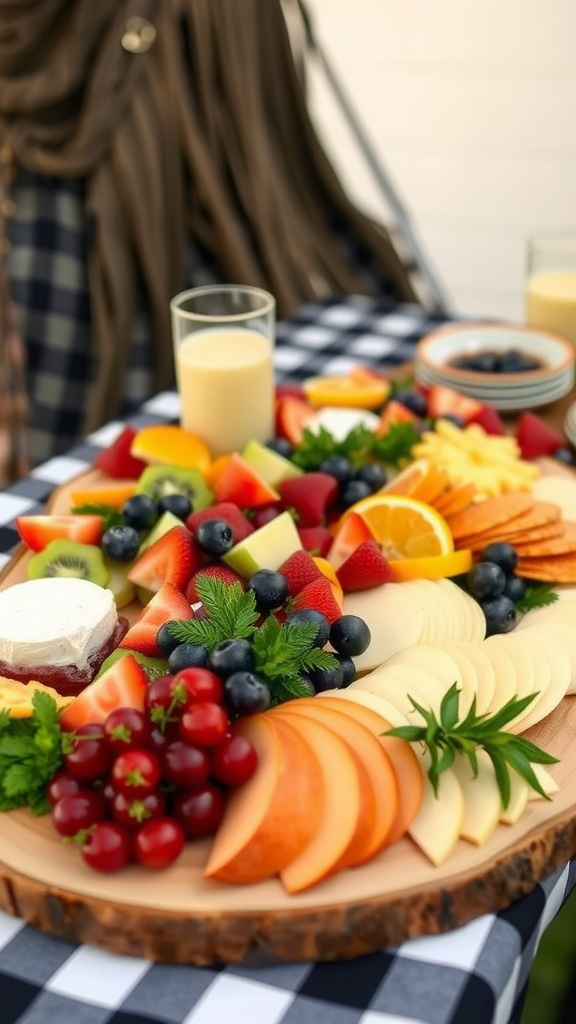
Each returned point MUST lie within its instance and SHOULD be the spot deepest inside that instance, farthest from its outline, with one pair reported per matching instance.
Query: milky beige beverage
(551, 302)
(226, 383)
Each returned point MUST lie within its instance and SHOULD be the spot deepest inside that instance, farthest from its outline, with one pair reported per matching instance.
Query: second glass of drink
(223, 350)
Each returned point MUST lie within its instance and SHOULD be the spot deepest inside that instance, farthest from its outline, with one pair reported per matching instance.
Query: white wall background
(471, 104)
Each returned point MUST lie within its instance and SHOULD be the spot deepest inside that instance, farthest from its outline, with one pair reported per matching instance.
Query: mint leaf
(537, 595)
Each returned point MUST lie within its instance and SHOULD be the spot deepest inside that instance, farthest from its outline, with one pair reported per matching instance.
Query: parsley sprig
(447, 737)
(111, 516)
(537, 595)
(360, 445)
(283, 653)
(30, 754)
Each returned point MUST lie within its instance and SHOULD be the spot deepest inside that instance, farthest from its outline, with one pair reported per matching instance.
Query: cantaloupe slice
(380, 777)
(273, 816)
(341, 810)
(400, 754)
(168, 444)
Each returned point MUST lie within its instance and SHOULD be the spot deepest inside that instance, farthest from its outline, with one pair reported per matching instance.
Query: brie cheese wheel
(54, 621)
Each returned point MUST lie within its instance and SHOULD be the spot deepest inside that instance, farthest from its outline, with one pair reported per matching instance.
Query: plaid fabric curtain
(14, 457)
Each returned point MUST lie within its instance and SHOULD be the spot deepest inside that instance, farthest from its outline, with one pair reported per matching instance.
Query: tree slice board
(177, 916)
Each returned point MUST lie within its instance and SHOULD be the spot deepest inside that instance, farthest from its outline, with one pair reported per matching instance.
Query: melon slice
(271, 818)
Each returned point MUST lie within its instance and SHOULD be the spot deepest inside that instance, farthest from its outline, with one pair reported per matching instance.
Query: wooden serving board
(177, 916)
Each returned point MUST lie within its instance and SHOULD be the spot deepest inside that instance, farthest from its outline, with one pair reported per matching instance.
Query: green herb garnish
(537, 595)
(30, 754)
(111, 516)
(360, 446)
(282, 653)
(447, 737)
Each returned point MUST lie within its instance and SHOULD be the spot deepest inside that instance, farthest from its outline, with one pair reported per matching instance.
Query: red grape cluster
(137, 786)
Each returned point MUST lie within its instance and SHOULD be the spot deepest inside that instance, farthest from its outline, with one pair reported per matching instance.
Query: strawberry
(535, 437)
(319, 595)
(292, 415)
(351, 532)
(443, 401)
(171, 559)
(38, 531)
(237, 521)
(123, 685)
(299, 569)
(167, 603)
(315, 539)
(489, 420)
(289, 388)
(310, 495)
(116, 460)
(215, 572)
(365, 567)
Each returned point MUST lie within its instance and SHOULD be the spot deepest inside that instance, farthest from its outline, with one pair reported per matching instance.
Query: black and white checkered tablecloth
(474, 975)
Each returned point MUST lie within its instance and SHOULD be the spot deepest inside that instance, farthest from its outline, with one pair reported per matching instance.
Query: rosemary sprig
(447, 737)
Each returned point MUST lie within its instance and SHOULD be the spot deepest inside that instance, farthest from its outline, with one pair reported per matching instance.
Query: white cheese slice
(54, 621)
(392, 618)
(482, 801)
(339, 421)
(438, 824)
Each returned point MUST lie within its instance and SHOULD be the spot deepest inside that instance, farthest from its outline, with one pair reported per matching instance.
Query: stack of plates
(507, 392)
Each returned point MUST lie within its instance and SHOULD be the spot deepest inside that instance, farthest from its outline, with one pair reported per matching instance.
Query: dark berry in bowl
(486, 580)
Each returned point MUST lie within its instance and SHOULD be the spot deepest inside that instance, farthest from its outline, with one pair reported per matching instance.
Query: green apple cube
(272, 467)
(266, 548)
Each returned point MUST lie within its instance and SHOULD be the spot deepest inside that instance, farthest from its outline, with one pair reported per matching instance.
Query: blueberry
(307, 616)
(453, 418)
(500, 613)
(485, 362)
(329, 678)
(515, 588)
(486, 580)
(140, 511)
(178, 504)
(413, 400)
(501, 554)
(373, 474)
(120, 543)
(214, 536)
(245, 693)
(166, 640)
(566, 456)
(187, 656)
(281, 446)
(231, 656)
(348, 669)
(270, 589)
(354, 491)
(339, 467)
(350, 635)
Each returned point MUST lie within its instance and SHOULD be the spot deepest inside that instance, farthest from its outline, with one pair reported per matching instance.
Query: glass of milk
(223, 352)
(551, 283)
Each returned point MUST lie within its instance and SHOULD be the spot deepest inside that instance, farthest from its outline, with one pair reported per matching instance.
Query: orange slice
(168, 444)
(104, 494)
(215, 470)
(435, 567)
(408, 479)
(405, 527)
(360, 389)
(328, 570)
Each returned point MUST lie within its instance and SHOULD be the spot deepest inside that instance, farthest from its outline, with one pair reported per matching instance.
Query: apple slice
(402, 758)
(482, 801)
(519, 790)
(273, 816)
(549, 785)
(380, 776)
(341, 808)
(265, 548)
(438, 824)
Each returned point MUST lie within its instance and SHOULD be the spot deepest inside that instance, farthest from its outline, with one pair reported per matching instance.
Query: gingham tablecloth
(474, 975)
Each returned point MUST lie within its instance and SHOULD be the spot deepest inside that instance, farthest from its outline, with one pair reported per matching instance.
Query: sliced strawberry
(167, 603)
(310, 495)
(242, 485)
(317, 540)
(299, 569)
(237, 521)
(215, 572)
(351, 532)
(116, 460)
(171, 559)
(365, 567)
(444, 401)
(290, 388)
(38, 531)
(394, 412)
(535, 437)
(489, 420)
(123, 685)
(319, 595)
(292, 415)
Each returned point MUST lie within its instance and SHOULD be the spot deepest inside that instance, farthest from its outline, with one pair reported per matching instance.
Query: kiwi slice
(69, 558)
(158, 481)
